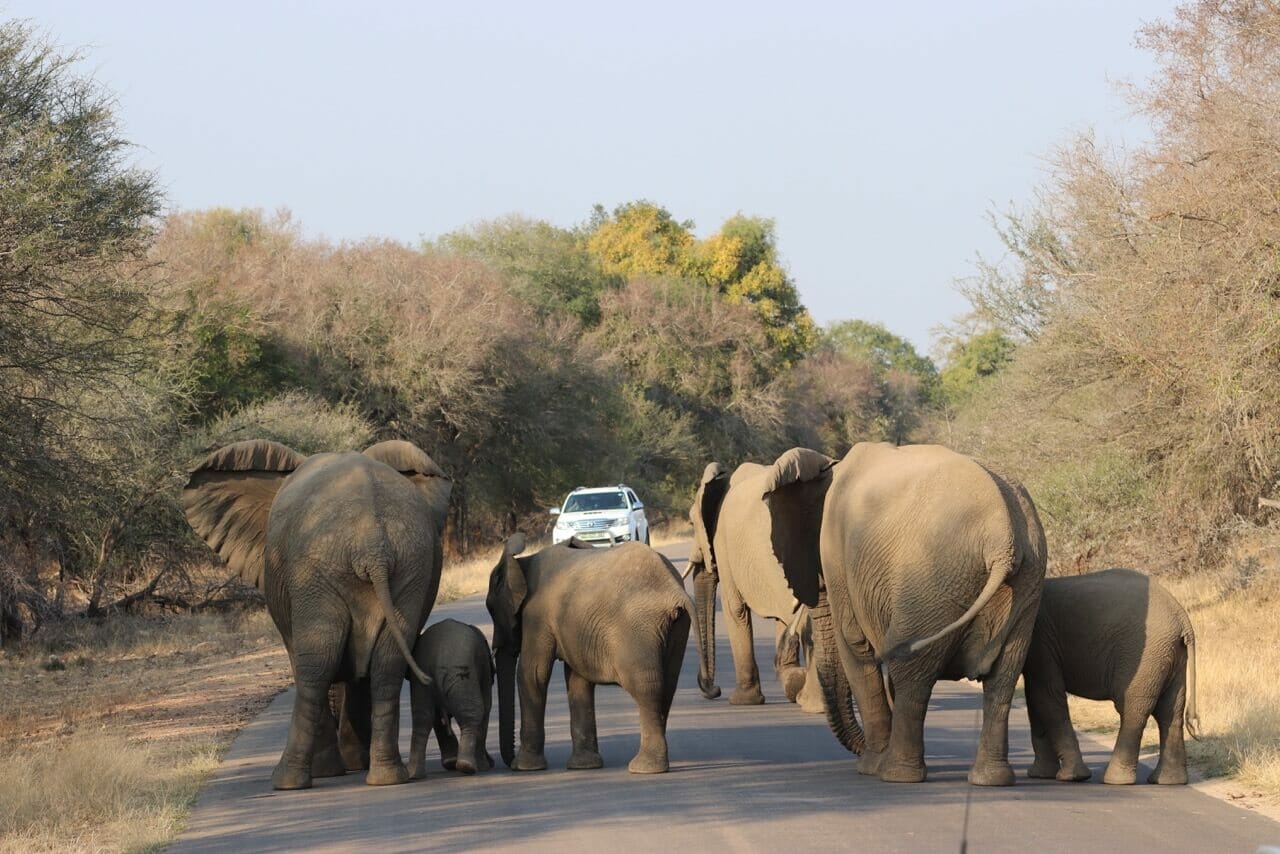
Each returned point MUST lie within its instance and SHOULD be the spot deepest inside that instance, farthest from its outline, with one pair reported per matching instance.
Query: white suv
(602, 516)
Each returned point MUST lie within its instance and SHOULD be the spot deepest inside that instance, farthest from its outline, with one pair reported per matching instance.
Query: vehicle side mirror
(638, 506)
(554, 511)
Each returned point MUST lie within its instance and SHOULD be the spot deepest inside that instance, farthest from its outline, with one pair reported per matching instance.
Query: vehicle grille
(590, 524)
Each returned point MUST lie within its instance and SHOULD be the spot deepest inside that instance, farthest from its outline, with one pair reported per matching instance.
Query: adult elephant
(347, 551)
(727, 514)
(918, 558)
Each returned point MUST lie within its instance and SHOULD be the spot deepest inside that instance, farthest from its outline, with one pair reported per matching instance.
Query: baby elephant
(614, 617)
(1111, 635)
(456, 657)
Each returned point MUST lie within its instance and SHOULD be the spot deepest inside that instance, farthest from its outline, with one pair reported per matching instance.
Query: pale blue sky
(877, 135)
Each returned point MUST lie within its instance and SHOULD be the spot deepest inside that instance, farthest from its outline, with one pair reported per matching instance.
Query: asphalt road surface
(742, 778)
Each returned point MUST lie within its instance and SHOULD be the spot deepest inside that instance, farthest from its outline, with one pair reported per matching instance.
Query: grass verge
(121, 722)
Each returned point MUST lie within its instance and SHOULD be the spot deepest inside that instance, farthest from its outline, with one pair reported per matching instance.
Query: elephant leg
(810, 697)
(483, 760)
(352, 702)
(316, 658)
(859, 662)
(423, 716)
(1122, 770)
(742, 643)
(326, 760)
(903, 761)
(467, 755)
(1052, 736)
(1171, 770)
(386, 677)
(582, 722)
(446, 740)
(991, 765)
(786, 661)
(536, 661)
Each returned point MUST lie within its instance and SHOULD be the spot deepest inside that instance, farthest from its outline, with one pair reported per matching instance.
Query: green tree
(548, 268)
(973, 359)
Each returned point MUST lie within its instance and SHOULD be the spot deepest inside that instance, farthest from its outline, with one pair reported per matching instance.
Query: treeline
(526, 358)
(1121, 359)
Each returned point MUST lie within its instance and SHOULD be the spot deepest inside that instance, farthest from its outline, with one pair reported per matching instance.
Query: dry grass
(1238, 657)
(671, 532)
(121, 721)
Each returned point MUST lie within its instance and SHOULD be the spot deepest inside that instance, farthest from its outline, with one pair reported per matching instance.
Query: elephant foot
(1043, 770)
(869, 763)
(287, 778)
(811, 701)
(328, 763)
(792, 682)
(649, 763)
(1166, 775)
(448, 763)
(354, 758)
(1076, 772)
(709, 689)
(418, 768)
(465, 765)
(529, 761)
(902, 772)
(584, 760)
(992, 773)
(747, 697)
(484, 761)
(391, 774)
(1119, 775)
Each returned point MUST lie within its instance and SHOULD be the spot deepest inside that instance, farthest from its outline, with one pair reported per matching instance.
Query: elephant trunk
(704, 597)
(506, 667)
(836, 693)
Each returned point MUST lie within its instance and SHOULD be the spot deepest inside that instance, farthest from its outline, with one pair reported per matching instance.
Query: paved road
(744, 779)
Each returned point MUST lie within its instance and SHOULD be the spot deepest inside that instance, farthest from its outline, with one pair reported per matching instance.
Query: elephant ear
(517, 585)
(705, 512)
(413, 462)
(793, 490)
(228, 498)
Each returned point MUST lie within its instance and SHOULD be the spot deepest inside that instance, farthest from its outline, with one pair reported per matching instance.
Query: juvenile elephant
(614, 617)
(727, 515)
(917, 557)
(346, 549)
(1111, 635)
(456, 657)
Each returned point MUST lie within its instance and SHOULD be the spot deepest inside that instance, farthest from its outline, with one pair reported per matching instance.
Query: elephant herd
(892, 568)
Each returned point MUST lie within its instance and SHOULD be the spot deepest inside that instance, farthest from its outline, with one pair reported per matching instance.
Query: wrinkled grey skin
(1111, 635)
(347, 551)
(726, 513)
(457, 659)
(920, 558)
(616, 616)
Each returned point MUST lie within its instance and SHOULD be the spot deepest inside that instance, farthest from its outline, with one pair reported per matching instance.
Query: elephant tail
(379, 578)
(1192, 715)
(1000, 570)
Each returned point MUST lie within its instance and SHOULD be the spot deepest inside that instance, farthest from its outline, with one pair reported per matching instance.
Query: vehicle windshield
(583, 502)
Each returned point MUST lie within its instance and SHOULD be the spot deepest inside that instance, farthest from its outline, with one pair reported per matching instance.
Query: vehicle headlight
(563, 525)
(619, 523)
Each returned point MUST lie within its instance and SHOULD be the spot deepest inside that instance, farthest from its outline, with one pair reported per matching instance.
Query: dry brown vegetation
(121, 721)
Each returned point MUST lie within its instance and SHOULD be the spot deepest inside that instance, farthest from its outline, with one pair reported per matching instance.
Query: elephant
(343, 546)
(725, 514)
(618, 616)
(456, 657)
(1111, 635)
(920, 560)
